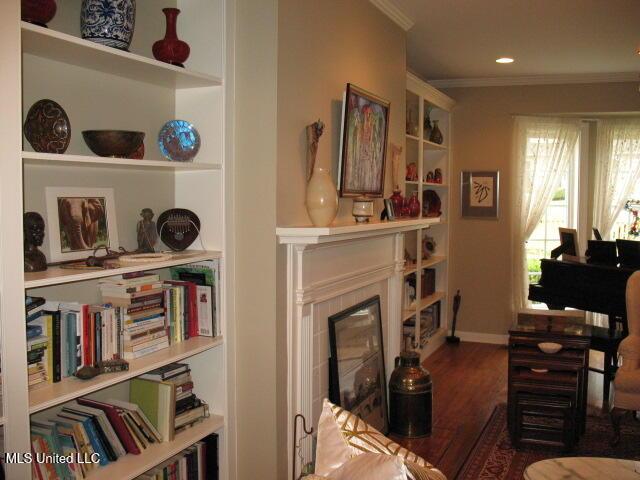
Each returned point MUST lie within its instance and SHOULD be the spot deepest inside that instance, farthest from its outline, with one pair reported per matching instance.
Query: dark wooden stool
(555, 421)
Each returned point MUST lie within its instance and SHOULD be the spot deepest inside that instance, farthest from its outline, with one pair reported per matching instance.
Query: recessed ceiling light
(504, 60)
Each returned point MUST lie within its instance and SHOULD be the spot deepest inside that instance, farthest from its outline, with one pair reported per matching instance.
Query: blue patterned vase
(108, 22)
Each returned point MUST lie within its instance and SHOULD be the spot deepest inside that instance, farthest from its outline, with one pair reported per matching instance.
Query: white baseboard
(483, 338)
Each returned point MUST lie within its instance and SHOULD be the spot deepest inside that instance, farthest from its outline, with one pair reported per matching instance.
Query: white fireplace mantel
(348, 230)
(327, 269)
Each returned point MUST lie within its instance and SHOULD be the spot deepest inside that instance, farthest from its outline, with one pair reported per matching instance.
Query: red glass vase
(38, 12)
(414, 205)
(171, 49)
(397, 201)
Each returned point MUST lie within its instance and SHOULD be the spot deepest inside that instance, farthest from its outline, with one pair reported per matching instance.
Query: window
(627, 217)
(561, 212)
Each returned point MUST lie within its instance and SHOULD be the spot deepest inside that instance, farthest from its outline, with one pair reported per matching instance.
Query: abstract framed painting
(79, 221)
(363, 143)
(357, 378)
(480, 194)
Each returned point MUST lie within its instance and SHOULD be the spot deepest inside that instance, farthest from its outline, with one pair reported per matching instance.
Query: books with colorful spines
(158, 401)
(123, 290)
(130, 281)
(50, 323)
(139, 417)
(71, 444)
(48, 431)
(143, 327)
(187, 403)
(76, 428)
(190, 306)
(103, 423)
(144, 336)
(116, 421)
(184, 390)
(209, 448)
(188, 418)
(91, 433)
(166, 371)
(147, 348)
(145, 343)
(207, 276)
(44, 470)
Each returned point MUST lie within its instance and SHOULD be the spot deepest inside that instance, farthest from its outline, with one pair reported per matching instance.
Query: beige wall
(322, 45)
(255, 259)
(481, 250)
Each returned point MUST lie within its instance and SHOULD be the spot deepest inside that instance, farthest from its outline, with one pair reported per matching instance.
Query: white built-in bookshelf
(105, 88)
(428, 156)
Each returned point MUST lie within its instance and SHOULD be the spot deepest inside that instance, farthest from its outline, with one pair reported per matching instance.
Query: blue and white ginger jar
(108, 22)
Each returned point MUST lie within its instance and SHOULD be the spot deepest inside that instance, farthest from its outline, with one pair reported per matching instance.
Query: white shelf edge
(407, 313)
(52, 394)
(37, 158)
(412, 137)
(156, 71)
(59, 276)
(437, 185)
(428, 145)
(131, 466)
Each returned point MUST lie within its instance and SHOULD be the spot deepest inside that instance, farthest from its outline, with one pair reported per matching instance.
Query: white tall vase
(322, 198)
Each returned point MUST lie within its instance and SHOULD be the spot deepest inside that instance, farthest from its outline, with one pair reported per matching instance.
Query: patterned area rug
(494, 458)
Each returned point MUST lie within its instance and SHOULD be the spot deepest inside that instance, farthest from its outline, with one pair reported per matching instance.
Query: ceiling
(454, 39)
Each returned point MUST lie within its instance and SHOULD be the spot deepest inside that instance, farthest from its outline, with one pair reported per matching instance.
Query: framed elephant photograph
(79, 221)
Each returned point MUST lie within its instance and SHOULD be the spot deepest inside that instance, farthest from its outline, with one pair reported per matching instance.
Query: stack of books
(138, 302)
(198, 462)
(94, 433)
(176, 379)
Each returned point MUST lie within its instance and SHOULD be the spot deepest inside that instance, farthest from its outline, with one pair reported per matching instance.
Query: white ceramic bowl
(550, 347)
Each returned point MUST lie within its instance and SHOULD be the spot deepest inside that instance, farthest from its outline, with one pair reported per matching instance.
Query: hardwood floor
(469, 379)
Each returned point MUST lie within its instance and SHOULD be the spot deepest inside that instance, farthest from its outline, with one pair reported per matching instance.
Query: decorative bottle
(171, 49)
(414, 205)
(436, 134)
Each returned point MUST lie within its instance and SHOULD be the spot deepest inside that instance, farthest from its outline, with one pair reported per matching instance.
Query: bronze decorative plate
(47, 127)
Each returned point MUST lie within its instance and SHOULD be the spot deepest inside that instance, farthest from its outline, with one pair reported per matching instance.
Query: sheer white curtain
(617, 169)
(542, 150)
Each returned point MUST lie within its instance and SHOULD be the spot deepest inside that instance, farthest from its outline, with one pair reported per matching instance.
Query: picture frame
(357, 377)
(388, 206)
(480, 194)
(569, 236)
(363, 143)
(79, 220)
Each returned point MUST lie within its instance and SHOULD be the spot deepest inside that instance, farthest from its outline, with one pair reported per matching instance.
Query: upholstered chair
(627, 381)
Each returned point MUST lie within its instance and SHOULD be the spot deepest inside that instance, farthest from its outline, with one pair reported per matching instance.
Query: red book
(116, 421)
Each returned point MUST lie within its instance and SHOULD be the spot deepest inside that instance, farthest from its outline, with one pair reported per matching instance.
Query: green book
(158, 402)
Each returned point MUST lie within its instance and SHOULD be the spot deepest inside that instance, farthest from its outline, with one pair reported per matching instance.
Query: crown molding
(537, 80)
(394, 13)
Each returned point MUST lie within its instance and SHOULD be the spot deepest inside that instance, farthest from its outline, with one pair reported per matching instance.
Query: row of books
(95, 433)
(429, 324)
(140, 315)
(198, 462)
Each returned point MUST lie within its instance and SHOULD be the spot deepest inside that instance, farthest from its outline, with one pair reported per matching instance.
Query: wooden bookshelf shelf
(59, 275)
(131, 466)
(431, 299)
(410, 268)
(35, 158)
(433, 146)
(433, 260)
(413, 137)
(62, 47)
(51, 394)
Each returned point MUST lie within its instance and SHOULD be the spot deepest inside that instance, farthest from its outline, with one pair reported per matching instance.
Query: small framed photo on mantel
(479, 193)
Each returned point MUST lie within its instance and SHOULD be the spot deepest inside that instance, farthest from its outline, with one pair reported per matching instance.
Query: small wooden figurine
(33, 230)
(147, 235)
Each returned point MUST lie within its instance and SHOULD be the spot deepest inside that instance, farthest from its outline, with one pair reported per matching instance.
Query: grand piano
(593, 288)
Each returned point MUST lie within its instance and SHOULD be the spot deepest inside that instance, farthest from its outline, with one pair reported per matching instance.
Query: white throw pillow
(371, 466)
(332, 450)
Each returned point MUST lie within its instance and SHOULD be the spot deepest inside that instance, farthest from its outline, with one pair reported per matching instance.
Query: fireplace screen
(357, 380)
